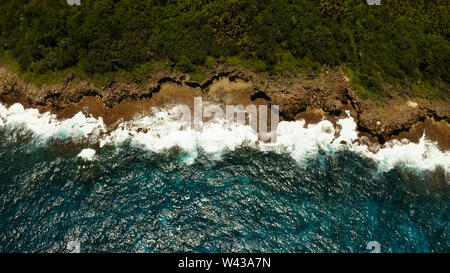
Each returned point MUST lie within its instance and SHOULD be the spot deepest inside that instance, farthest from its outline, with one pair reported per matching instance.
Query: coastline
(309, 97)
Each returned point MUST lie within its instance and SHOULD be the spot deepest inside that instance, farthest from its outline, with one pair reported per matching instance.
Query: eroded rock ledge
(303, 96)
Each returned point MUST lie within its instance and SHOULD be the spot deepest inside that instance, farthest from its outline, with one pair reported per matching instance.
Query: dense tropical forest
(400, 41)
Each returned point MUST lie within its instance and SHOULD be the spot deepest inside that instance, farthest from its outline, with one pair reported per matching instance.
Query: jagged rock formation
(306, 96)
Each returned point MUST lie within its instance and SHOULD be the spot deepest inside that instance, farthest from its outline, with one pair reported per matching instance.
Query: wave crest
(160, 131)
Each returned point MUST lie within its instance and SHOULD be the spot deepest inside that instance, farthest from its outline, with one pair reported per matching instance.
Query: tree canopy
(399, 40)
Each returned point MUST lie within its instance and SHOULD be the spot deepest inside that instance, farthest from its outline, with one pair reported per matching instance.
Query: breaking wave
(161, 131)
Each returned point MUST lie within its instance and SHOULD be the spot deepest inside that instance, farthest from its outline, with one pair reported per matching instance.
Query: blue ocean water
(132, 200)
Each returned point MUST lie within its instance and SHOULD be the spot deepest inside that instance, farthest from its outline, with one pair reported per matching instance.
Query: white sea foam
(160, 132)
(45, 126)
(87, 154)
(303, 142)
(74, 247)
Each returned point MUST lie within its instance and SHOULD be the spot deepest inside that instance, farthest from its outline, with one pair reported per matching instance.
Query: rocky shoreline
(304, 96)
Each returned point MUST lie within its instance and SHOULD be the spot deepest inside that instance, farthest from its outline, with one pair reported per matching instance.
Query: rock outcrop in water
(303, 96)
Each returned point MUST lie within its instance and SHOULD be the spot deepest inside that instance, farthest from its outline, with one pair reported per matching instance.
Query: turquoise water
(131, 200)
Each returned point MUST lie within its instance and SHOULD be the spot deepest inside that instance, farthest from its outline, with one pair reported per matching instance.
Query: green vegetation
(400, 43)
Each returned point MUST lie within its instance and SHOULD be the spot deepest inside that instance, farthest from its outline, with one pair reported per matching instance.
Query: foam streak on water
(87, 154)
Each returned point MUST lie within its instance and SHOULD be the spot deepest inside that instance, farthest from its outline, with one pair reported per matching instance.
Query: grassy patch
(252, 64)
(150, 68)
(360, 86)
(197, 77)
(210, 62)
(430, 91)
(98, 79)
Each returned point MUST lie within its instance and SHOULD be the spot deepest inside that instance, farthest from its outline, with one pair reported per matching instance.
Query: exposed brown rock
(326, 95)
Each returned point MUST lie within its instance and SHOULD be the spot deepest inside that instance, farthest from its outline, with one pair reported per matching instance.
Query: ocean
(71, 186)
